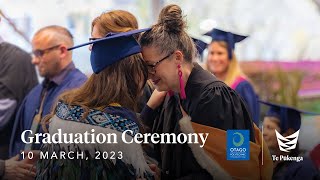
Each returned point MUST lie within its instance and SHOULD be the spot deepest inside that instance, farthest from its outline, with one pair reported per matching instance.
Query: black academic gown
(17, 77)
(209, 102)
(296, 170)
(147, 92)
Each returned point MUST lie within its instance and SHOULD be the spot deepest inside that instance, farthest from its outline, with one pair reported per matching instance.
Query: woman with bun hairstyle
(189, 99)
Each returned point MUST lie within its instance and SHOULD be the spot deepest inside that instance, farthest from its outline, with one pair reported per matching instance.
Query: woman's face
(95, 34)
(163, 71)
(217, 60)
(270, 124)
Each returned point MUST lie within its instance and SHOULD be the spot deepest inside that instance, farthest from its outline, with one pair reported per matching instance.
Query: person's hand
(156, 99)
(15, 169)
(156, 171)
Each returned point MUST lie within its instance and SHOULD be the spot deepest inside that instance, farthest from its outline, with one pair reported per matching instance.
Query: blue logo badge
(238, 145)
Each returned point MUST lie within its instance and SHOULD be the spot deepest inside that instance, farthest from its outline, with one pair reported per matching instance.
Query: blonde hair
(234, 71)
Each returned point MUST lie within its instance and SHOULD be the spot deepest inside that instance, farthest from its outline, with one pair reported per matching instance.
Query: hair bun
(171, 19)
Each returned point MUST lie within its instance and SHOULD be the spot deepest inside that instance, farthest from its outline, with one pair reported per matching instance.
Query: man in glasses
(54, 63)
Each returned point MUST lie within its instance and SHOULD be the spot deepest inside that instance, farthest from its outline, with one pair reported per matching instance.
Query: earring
(181, 82)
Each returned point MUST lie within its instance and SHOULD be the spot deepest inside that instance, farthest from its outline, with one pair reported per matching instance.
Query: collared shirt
(56, 80)
(61, 76)
(69, 78)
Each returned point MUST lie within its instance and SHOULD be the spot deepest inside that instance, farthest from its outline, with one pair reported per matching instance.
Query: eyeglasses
(40, 52)
(92, 39)
(152, 67)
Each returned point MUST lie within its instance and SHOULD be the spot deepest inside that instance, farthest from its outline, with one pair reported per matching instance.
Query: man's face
(46, 55)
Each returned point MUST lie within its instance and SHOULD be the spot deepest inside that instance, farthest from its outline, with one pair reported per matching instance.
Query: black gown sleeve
(221, 107)
(148, 116)
(147, 92)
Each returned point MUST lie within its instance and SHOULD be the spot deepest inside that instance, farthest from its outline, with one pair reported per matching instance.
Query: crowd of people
(146, 80)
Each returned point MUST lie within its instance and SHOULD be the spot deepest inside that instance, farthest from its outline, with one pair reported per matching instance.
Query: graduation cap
(200, 45)
(112, 48)
(289, 117)
(230, 38)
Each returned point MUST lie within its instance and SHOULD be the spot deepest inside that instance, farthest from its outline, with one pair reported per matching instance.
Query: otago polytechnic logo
(238, 145)
(287, 143)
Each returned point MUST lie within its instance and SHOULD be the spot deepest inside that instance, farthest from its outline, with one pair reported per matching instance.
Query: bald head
(56, 34)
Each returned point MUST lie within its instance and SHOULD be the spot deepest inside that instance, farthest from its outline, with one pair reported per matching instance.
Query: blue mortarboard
(112, 48)
(230, 38)
(200, 45)
(289, 117)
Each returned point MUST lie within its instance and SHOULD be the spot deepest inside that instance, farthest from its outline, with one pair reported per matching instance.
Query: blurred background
(281, 56)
